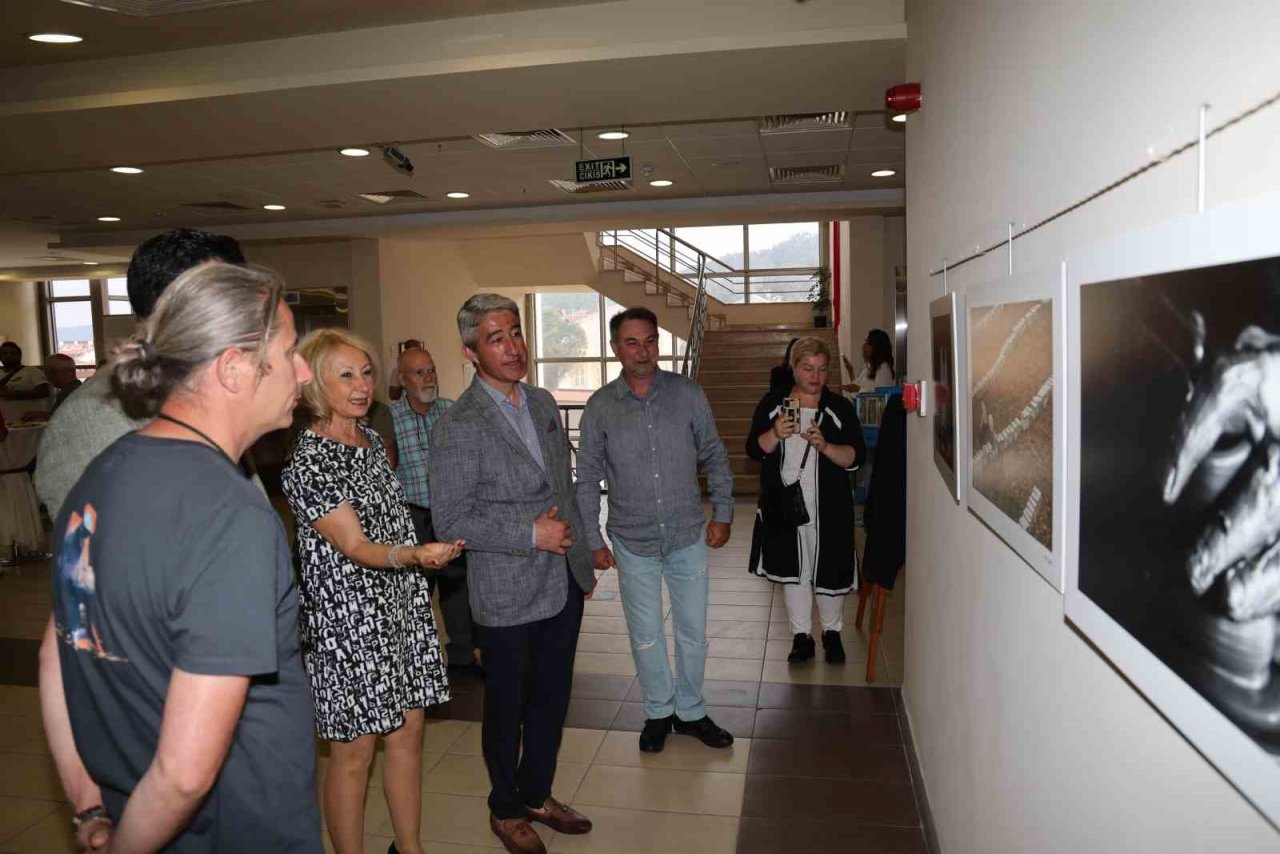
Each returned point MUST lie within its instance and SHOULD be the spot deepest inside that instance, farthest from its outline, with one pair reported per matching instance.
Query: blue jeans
(640, 584)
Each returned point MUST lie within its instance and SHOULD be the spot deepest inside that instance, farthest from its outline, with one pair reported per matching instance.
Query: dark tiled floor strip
(828, 772)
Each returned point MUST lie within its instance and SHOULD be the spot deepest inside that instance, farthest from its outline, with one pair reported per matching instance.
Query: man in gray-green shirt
(91, 418)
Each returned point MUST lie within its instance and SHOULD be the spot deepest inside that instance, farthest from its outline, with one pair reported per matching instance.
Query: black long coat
(885, 516)
(776, 554)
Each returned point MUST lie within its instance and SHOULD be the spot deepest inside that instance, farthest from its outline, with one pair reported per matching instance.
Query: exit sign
(606, 169)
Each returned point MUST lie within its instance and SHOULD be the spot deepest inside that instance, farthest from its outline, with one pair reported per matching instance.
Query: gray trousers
(452, 584)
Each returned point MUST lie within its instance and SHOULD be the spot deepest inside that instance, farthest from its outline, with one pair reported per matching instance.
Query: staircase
(734, 373)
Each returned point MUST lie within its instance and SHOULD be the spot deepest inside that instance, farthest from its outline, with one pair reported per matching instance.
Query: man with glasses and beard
(413, 415)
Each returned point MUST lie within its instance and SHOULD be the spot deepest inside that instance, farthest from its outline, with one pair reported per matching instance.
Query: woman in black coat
(819, 557)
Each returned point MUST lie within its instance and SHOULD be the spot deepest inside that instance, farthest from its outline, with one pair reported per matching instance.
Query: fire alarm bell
(915, 397)
(903, 98)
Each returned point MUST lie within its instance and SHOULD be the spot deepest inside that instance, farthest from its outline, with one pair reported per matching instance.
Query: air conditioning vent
(216, 206)
(332, 204)
(509, 140)
(573, 188)
(384, 197)
(806, 174)
(805, 122)
(152, 8)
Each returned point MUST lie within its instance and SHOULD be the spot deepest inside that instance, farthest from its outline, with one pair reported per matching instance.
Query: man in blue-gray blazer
(500, 480)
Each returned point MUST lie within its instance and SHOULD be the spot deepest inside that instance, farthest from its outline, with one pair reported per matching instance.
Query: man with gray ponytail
(91, 419)
(174, 699)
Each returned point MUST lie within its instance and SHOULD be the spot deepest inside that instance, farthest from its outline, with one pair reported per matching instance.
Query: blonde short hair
(318, 348)
(809, 346)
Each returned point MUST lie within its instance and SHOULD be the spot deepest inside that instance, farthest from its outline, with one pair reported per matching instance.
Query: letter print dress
(368, 636)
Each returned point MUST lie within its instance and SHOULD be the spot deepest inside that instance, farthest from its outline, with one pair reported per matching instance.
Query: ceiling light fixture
(55, 38)
(89, 263)
(273, 207)
(355, 152)
(126, 170)
(613, 134)
(457, 194)
(900, 117)
(661, 182)
(883, 173)
(108, 219)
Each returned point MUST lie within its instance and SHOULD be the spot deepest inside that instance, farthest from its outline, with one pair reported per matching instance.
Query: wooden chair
(877, 595)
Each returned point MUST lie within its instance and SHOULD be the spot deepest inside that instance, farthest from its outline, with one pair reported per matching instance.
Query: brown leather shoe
(561, 818)
(517, 835)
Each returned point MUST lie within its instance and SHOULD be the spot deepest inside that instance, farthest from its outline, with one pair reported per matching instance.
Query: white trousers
(799, 597)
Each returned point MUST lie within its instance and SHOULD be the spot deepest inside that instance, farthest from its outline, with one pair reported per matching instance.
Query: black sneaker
(802, 649)
(654, 735)
(705, 730)
(833, 647)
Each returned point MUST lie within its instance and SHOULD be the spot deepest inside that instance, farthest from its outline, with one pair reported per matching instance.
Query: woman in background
(368, 636)
(877, 363)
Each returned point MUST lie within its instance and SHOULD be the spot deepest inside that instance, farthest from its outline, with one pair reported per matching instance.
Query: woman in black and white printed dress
(368, 637)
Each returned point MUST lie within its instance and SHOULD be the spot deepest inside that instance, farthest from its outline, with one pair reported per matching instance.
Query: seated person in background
(23, 388)
(92, 419)
(61, 371)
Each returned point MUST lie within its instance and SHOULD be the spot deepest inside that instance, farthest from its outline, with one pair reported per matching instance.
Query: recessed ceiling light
(661, 182)
(883, 173)
(900, 117)
(89, 263)
(108, 219)
(126, 170)
(273, 207)
(55, 38)
(458, 195)
(613, 134)
(355, 152)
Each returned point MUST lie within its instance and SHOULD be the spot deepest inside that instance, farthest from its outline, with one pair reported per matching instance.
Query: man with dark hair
(91, 419)
(646, 433)
(165, 257)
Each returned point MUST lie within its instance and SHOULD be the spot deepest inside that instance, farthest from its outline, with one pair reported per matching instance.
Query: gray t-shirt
(167, 557)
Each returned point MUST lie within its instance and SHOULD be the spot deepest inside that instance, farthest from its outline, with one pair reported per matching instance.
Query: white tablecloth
(19, 509)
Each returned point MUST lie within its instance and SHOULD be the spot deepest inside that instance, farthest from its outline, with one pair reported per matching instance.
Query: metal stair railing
(666, 255)
(697, 327)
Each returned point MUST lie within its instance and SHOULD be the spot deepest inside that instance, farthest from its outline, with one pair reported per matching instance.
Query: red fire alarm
(903, 98)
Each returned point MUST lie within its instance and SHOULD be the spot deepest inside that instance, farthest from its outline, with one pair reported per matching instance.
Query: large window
(571, 354)
(73, 317)
(70, 305)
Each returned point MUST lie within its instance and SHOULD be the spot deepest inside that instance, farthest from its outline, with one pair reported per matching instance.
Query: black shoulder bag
(784, 509)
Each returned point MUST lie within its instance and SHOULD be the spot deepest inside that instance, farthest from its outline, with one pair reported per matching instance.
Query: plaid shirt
(413, 443)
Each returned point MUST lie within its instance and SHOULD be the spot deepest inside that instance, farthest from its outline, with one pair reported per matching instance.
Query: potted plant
(820, 297)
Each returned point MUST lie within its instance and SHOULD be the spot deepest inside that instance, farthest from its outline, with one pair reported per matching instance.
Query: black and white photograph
(1015, 415)
(945, 379)
(1177, 571)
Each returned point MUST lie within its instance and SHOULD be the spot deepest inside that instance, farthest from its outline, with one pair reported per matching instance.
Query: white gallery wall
(1029, 740)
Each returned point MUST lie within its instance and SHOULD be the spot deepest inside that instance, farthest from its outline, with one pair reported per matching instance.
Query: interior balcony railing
(690, 276)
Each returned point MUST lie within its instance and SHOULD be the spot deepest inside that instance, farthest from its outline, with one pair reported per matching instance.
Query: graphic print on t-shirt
(76, 624)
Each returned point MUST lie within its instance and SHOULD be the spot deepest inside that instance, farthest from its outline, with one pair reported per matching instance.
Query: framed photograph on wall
(945, 335)
(1014, 437)
(1173, 514)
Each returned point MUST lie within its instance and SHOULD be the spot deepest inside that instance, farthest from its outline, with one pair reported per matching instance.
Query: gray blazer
(487, 489)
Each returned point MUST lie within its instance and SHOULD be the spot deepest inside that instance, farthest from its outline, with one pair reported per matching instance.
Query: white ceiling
(212, 125)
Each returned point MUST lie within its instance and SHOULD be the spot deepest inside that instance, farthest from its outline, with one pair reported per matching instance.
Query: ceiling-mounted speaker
(903, 98)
